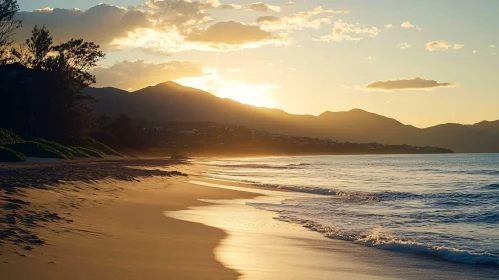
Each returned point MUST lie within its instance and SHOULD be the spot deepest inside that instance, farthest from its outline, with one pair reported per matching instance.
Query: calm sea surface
(440, 205)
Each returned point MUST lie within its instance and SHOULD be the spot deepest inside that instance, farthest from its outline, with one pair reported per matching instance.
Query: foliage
(68, 152)
(124, 130)
(73, 58)
(91, 152)
(36, 149)
(43, 87)
(9, 155)
(8, 9)
(79, 153)
(8, 137)
(96, 145)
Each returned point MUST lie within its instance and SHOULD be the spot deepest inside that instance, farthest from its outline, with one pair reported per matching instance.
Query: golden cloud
(298, 21)
(407, 84)
(158, 26)
(342, 32)
(441, 45)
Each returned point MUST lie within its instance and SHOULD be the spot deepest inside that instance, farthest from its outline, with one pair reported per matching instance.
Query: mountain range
(173, 102)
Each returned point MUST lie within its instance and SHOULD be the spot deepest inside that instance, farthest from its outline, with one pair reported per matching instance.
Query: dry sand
(108, 229)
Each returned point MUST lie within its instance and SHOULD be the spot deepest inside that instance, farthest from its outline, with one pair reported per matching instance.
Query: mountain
(488, 127)
(173, 102)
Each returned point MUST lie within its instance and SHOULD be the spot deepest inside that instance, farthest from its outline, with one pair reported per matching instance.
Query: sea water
(436, 205)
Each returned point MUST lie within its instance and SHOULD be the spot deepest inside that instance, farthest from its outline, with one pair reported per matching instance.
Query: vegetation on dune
(80, 153)
(8, 137)
(36, 149)
(68, 152)
(92, 143)
(90, 151)
(9, 155)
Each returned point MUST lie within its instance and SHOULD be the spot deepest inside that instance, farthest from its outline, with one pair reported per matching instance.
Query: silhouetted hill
(173, 102)
(488, 127)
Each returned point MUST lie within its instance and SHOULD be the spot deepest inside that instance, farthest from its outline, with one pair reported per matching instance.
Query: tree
(48, 100)
(8, 9)
(123, 128)
(38, 47)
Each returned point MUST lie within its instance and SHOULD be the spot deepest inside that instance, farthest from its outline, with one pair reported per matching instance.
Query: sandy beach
(110, 229)
(145, 219)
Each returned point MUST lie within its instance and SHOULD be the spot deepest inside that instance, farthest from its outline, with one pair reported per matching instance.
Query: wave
(475, 172)
(349, 196)
(379, 240)
(491, 187)
(263, 166)
(467, 172)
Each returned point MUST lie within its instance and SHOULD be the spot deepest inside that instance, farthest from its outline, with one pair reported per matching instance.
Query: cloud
(492, 46)
(407, 24)
(263, 7)
(298, 21)
(371, 58)
(406, 84)
(342, 31)
(441, 45)
(404, 46)
(100, 24)
(222, 35)
(289, 3)
(137, 74)
(157, 26)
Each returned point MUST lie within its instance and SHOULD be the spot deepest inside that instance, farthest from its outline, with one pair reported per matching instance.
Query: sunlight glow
(260, 95)
(256, 95)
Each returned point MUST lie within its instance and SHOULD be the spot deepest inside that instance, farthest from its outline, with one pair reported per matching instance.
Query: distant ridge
(173, 102)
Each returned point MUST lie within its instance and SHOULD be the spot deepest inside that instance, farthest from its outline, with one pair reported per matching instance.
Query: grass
(90, 151)
(9, 155)
(8, 137)
(68, 152)
(78, 153)
(89, 142)
(36, 149)
(14, 148)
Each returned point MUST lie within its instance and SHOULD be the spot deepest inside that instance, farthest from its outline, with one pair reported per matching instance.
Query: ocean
(443, 206)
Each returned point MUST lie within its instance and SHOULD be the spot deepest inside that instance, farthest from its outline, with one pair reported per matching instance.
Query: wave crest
(381, 240)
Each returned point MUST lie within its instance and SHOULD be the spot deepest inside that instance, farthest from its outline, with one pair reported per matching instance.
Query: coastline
(111, 229)
(149, 224)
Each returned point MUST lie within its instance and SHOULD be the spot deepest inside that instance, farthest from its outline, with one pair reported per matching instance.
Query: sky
(422, 62)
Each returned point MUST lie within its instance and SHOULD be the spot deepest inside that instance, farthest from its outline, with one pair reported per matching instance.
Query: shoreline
(115, 228)
(304, 253)
(110, 229)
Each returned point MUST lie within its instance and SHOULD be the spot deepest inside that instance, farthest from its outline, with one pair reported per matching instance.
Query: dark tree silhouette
(44, 87)
(8, 9)
(123, 128)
